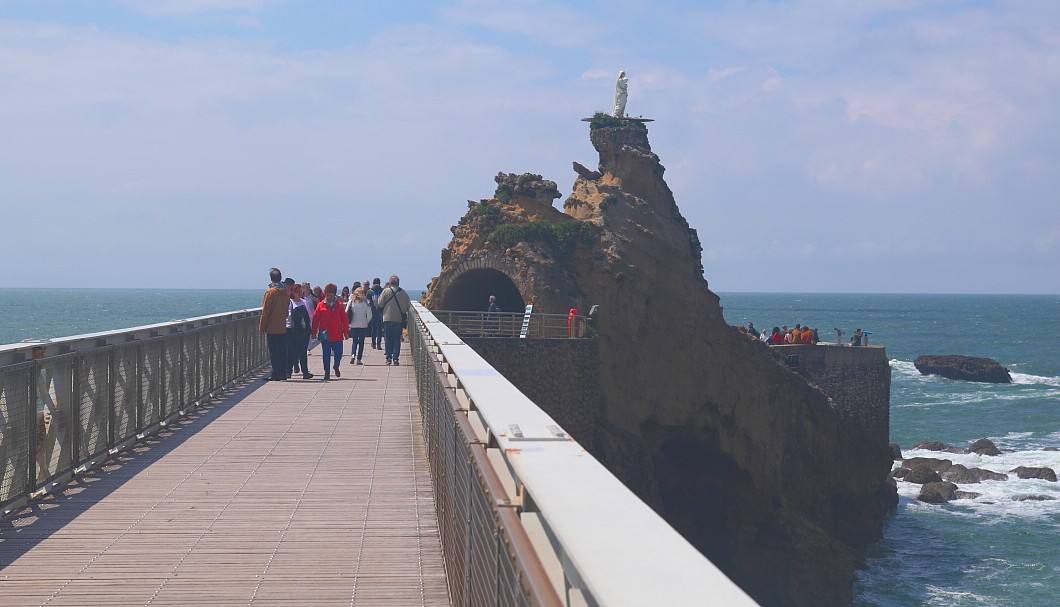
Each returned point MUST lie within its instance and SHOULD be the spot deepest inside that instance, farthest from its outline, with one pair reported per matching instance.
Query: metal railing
(513, 324)
(527, 515)
(68, 403)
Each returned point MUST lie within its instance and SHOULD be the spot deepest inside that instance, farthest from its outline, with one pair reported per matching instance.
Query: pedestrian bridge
(151, 466)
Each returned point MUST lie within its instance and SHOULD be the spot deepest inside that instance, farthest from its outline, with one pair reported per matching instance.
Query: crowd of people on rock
(799, 334)
(293, 314)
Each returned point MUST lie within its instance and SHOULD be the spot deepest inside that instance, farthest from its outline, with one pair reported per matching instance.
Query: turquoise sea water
(990, 551)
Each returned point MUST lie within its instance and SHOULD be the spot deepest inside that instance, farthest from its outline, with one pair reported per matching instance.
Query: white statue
(620, 94)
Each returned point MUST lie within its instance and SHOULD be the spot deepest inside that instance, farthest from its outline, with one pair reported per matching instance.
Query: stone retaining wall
(559, 375)
(858, 380)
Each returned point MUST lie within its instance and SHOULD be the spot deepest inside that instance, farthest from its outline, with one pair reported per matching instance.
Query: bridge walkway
(297, 492)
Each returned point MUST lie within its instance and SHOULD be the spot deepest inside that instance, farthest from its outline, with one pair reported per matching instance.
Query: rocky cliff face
(746, 459)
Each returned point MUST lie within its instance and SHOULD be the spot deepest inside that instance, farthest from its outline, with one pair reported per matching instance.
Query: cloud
(187, 8)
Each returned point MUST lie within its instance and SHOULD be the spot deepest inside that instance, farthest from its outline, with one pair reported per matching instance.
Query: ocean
(992, 550)
(989, 551)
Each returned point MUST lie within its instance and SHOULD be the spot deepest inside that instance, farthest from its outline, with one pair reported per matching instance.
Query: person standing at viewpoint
(394, 304)
(273, 323)
(331, 325)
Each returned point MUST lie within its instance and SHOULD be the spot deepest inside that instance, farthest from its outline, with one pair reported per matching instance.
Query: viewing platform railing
(514, 324)
(527, 515)
(68, 403)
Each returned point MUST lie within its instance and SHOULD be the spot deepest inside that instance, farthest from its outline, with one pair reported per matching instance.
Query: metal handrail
(68, 403)
(514, 324)
(611, 547)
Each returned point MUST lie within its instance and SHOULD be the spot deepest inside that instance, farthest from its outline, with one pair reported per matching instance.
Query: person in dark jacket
(299, 326)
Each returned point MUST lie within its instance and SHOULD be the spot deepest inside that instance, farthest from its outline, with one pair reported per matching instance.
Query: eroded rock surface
(749, 461)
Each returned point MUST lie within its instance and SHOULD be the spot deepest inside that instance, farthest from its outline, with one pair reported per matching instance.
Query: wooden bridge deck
(294, 493)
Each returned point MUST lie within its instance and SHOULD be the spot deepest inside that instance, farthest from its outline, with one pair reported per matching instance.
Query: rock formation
(749, 461)
(968, 368)
(1047, 474)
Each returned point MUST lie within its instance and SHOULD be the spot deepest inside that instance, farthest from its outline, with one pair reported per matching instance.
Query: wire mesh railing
(489, 558)
(514, 324)
(61, 413)
(527, 516)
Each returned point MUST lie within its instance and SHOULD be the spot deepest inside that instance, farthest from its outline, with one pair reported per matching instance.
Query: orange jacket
(274, 311)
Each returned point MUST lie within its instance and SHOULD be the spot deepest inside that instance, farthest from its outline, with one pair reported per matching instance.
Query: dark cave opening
(471, 290)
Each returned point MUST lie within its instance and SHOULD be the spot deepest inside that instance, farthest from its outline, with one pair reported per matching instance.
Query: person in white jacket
(360, 315)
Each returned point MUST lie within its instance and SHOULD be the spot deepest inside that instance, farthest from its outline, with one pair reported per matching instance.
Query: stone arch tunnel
(471, 290)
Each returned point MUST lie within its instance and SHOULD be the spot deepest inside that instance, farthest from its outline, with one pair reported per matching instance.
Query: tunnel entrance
(471, 291)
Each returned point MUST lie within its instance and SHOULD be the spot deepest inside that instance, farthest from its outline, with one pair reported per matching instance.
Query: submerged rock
(934, 445)
(968, 368)
(1033, 498)
(958, 473)
(965, 495)
(1043, 473)
(938, 493)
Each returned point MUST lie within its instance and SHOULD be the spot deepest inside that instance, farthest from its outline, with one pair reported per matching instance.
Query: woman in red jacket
(330, 323)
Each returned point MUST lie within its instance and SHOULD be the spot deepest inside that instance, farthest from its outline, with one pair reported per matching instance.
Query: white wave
(1024, 379)
(944, 597)
(997, 499)
(908, 369)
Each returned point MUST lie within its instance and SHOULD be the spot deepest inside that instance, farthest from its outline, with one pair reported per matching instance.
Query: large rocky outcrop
(749, 461)
(968, 368)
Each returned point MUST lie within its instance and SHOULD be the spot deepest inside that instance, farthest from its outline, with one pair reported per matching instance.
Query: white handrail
(613, 547)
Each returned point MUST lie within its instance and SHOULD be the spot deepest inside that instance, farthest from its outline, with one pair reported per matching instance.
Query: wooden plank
(297, 492)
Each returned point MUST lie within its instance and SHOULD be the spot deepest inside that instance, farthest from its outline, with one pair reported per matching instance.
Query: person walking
(375, 329)
(330, 324)
(360, 315)
(299, 325)
(273, 323)
(394, 304)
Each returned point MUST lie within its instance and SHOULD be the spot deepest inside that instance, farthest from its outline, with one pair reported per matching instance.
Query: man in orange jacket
(273, 323)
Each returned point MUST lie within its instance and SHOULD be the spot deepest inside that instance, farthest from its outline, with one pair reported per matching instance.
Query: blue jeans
(392, 334)
(329, 348)
(358, 335)
(375, 328)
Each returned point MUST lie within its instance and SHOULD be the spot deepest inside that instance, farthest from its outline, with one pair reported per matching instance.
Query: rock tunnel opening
(471, 291)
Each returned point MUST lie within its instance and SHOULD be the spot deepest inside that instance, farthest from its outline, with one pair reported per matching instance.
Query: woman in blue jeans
(360, 315)
(331, 325)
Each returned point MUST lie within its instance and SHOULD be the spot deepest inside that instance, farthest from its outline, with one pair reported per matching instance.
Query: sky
(892, 146)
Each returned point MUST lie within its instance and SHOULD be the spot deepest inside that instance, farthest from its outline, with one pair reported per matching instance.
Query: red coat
(331, 320)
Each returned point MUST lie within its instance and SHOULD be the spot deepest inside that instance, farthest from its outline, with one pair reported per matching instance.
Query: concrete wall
(560, 375)
(858, 380)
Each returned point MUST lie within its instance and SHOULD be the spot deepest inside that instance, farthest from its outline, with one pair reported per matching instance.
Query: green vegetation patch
(601, 120)
(563, 236)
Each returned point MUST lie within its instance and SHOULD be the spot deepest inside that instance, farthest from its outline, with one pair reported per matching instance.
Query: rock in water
(960, 474)
(984, 447)
(938, 493)
(758, 468)
(934, 445)
(1043, 473)
(968, 368)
